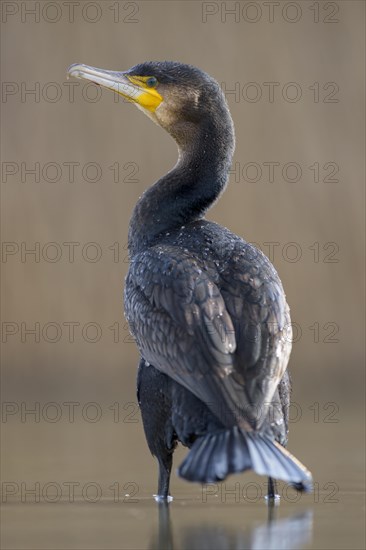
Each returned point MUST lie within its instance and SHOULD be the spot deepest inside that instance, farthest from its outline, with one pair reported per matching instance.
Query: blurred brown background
(294, 78)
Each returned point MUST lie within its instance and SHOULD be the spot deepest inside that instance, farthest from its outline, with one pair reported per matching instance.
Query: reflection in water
(164, 538)
(294, 532)
(290, 533)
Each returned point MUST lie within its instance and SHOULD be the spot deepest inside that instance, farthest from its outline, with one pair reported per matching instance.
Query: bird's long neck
(190, 188)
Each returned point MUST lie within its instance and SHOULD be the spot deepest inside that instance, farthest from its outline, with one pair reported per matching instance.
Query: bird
(206, 308)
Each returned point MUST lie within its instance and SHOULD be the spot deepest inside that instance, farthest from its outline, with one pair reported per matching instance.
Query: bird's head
(178, 97)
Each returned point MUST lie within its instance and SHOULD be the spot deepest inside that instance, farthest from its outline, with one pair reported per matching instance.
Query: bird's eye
(151, 82)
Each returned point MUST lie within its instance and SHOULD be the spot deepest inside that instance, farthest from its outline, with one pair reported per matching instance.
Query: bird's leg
(271, 487)
(165, 467)
(272, 495)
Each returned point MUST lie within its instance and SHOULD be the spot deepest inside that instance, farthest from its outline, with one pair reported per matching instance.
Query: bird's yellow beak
(132, 88)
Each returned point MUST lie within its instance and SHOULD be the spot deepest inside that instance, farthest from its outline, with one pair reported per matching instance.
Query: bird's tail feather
(214, 456)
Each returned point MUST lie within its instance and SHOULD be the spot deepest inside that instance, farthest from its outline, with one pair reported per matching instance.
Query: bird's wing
(182, 326)
(256, 303)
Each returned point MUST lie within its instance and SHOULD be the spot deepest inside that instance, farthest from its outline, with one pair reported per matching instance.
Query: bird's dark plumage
(206, 308)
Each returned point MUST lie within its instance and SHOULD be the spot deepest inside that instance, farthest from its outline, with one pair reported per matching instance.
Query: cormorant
(206, 308)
